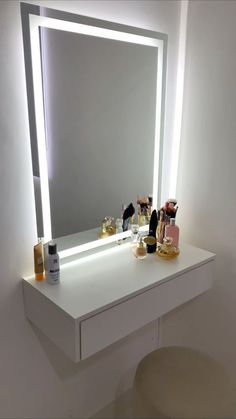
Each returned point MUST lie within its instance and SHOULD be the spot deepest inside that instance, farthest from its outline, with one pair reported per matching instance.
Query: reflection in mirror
(98, 92)
(100, 97)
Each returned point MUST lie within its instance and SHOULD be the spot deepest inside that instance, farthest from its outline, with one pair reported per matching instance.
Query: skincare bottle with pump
(172, 230)
(52, 265)
(38, 261)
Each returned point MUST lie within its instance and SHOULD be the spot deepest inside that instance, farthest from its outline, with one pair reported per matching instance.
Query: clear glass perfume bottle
(134, 236)
(140, 251)
(134, 232)
(119, 228)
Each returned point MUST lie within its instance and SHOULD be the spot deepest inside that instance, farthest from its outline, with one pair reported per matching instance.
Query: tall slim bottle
(38, 261)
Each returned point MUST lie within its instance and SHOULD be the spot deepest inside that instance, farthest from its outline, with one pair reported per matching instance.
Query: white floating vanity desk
(107, 296)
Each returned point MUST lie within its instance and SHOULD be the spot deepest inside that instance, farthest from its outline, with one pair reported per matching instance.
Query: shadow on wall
(65, 368)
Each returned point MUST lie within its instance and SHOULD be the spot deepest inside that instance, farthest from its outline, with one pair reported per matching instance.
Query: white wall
(206, 184)
(35, 379)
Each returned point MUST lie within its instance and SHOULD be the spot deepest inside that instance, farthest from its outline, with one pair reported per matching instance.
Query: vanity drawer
(112, 324)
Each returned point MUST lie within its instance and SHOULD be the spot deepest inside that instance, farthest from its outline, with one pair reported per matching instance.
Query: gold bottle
(140, 251)
(108, 228)
(167, 250)
(38, 261)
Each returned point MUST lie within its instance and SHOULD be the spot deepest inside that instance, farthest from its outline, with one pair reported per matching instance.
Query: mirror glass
(100, 100)
(96, 110)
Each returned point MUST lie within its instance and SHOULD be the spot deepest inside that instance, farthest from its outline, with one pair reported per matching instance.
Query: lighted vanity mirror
(96, 111)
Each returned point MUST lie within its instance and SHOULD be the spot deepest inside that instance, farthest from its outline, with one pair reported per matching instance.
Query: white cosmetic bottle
(52, 271)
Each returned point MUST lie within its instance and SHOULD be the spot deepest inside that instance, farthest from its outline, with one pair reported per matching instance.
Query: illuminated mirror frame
(34, 17)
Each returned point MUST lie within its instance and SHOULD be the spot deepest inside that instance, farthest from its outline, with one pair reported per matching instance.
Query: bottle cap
(172, 221)
(52, 249)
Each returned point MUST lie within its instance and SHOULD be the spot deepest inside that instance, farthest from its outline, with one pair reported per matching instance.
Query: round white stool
(180, 383)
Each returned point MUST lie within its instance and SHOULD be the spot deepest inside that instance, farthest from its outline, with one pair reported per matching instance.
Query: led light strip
(92, 245)
(97, 243)
(158, 124)
(51, 23)
(41, 21)
(178, 99)
(89, 258)
(40, 127)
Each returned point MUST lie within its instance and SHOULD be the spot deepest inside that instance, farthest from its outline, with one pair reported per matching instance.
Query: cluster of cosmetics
(163, 235)
(144, 210)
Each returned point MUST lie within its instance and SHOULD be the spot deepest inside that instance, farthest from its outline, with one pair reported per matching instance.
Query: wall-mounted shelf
(104, 297)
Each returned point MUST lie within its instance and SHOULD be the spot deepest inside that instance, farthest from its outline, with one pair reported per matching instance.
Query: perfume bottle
(161, 228)
(119, 228)
(167, 250)
(134, 232)
(134, 236)
(140, 251)
(142, 202)
(119, 223)
(172, 230)
(149, 208)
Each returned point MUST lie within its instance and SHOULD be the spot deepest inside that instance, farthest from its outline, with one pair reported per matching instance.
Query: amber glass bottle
(38, 261)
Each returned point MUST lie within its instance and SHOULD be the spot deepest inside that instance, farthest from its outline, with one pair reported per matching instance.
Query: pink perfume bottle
(172, 230)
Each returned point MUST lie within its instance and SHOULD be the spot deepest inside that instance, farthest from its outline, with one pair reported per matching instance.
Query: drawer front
(107, 327)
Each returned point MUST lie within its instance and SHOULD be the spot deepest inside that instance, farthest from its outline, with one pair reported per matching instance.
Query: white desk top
(99, 281)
